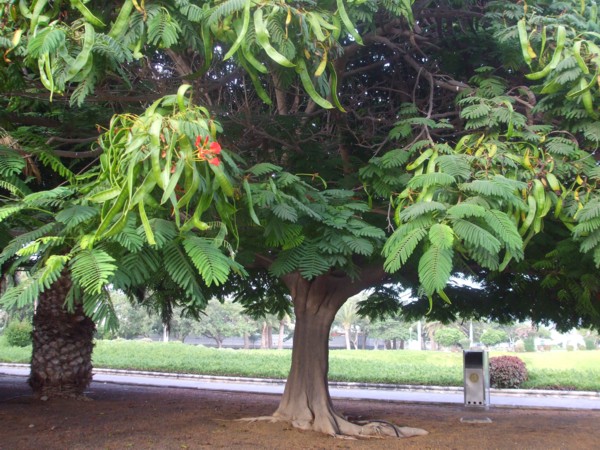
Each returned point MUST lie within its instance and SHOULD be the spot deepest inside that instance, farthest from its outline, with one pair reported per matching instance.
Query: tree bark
(61, 361)
(306, 402)
(281, 333)
(347, 336)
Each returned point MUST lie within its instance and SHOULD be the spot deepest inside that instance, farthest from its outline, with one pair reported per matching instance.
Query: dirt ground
(132, 417)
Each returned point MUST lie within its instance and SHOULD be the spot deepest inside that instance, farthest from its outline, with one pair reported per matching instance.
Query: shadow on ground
(118, 417)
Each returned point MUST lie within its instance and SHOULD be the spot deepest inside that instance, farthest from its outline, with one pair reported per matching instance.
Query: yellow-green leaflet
(181, 96)
(333, 82)
(347, 22)
(89, 38)
(250, 205)
(561, 37)
(122, 20)
(146, 224)
(321, 66)
(308, 86)
(260, 90)
(315, 26)
(46, 73)
(524, 41)
(223, 181)
(577, 55)
(103, 196)
(241, 33)
(34, 15)
(248, 56)
(87, 14)
(262, 37)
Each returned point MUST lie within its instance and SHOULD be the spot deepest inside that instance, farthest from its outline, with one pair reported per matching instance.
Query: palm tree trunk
(61, 361)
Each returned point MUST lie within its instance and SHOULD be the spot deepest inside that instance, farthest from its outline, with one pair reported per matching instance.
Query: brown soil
(123, 417)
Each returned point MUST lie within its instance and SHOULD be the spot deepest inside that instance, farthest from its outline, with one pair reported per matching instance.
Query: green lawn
(567, 370)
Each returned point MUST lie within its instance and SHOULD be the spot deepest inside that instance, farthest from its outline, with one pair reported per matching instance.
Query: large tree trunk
(61, 361)
(306, 402)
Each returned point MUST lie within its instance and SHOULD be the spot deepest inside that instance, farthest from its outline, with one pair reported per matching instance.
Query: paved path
(422, 394)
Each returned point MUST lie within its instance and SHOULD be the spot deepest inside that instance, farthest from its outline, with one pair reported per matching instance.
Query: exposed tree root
(347, 430)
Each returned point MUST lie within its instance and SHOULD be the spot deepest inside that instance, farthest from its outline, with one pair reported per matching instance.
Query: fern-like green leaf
(506, 231)
(162, 29)
(489, 188)
(49, 160)
(586, 227)
(261, 169)
(475, 236)
(591, 210)
(395, 158)
(8, 211)
(441, 235)
(454, 165)
(182, 271)
(92, 269)
(463, 210)
(285, 212)
(418, 209)
(287, 261)
(211, 263)
(431, 179)
(435, 267)
(164, 231)
(358, 245)
(400, 246)
(20, 241)
(312, 263)
(26, 292)
(224, 9)
(280, 234)
(138, 268)
(591, 242)
(130, 237)
(11, 163)
(76, 214)
(561, 146)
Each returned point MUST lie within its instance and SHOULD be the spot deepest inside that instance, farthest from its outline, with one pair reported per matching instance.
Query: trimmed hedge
(18, 334)
(507, 372)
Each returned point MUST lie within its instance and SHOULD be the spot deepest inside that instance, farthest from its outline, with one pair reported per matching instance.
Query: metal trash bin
(476, 378)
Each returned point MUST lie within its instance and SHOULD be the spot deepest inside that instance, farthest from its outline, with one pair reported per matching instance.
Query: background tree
(449, 336)
(392, 330)
(493, 337)
(223, 320)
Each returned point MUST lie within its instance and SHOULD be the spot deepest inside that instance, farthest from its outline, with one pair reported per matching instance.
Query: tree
(401, 146)
(449, 337)
(391, 330)
(223, 320)
(493, 337)
(347, 316)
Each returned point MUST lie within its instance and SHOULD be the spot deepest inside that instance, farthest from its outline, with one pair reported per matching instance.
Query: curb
(344, 384)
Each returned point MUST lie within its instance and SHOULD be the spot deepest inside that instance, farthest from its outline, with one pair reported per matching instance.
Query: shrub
(590, 344)
(507, 372)
(18, 334)
(529, 344)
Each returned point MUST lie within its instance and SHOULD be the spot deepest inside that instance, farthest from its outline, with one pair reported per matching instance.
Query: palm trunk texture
(61, 361)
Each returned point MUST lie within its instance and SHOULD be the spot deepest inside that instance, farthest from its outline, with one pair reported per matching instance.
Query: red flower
(208, 152)
(215, 148)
